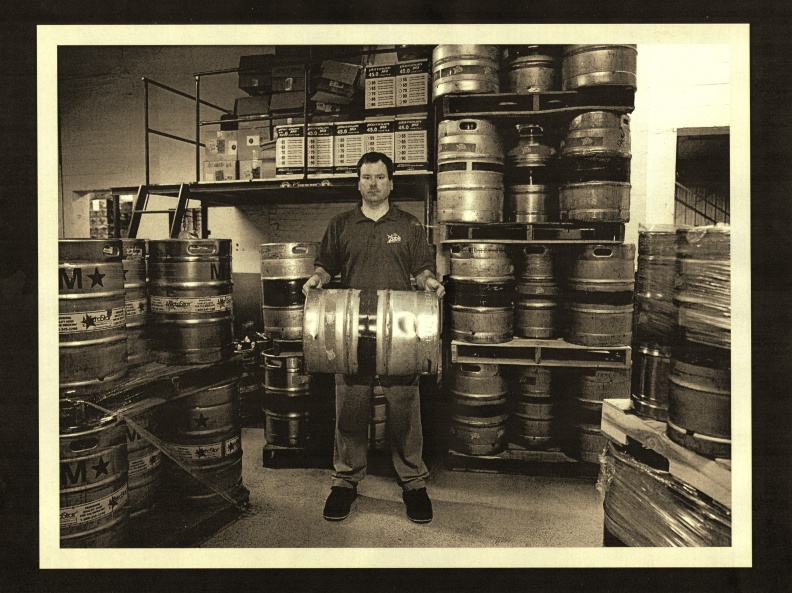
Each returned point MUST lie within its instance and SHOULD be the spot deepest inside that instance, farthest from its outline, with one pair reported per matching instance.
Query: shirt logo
(394, 238)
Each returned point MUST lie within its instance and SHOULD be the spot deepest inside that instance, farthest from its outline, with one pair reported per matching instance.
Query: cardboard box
(335, 87)
(287, 101)
(412, 83)
(378, 135)
(289, 146)
(341, 72)
(411, 144)
(219, 170)
(320, 150)
(325, 97)
(254, 73)
(296, 83)
(380, 87)
(259, 105)
(222, 147)
(263, 168)
(253, 143)
(348, 148)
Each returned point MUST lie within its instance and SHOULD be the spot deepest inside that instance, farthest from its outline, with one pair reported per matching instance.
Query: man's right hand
(315, 281)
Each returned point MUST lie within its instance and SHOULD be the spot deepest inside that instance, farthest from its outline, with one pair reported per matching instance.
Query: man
(376, 246)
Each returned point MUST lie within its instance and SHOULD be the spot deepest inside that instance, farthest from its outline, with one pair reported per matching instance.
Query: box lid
(340, 71)
(287, 101)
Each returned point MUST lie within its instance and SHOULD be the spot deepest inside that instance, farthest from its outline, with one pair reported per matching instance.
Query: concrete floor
(470, 510)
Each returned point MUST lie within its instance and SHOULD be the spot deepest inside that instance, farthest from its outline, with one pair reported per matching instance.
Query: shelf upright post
(307, 92)
(197, 127)
(146, 123)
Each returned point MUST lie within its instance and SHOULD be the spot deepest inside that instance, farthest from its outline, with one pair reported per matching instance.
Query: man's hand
(430, 284)
(318, 279)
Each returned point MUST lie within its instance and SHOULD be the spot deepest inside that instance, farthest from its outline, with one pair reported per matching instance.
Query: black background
(771, 206)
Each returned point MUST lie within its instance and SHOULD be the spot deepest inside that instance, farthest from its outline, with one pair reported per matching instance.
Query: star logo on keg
(96, 278)
(113, 502)
(200, 452)
(201, 420)
(141, 306)
(89, 321)
(100, 468)
(232, 446)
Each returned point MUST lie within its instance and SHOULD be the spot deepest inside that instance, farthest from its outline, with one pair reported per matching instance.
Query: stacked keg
(94, 476)
(285, 267)
(534, 413)
(465, 69)
(538, 305)
(699, 398)
(92, 339)
(654, 324)
(530, 68)
(595, 155)
(470, 161)
(586, 388)
(190, 290)
(531, 188)
(479, 411)
(202, 432)
(480, 293)
(287, 407)
(586, 66)
(595, 168)
(251, 384)
(138, 309)
(144, 457)
(599, 306)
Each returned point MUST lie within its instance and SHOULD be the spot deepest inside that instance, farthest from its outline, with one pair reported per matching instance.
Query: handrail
(149, 130)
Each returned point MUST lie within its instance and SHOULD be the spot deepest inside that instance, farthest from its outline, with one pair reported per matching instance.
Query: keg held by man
(376, 246)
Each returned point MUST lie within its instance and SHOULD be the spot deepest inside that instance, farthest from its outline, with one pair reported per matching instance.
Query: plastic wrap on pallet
(655, 312)
(647, 507)
(703, 285)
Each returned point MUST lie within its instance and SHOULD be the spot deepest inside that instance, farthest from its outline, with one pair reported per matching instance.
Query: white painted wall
(679, 86)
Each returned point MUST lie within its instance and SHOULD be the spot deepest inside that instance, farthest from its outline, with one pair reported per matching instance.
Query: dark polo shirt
(375, 255)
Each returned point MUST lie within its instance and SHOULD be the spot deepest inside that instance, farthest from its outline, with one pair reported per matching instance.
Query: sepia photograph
(448, 296)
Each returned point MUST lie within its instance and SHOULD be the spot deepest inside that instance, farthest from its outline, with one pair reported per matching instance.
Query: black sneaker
(339, 503)
(419, 507)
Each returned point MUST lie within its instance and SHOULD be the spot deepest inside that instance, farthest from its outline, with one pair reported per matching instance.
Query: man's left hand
(432, 284)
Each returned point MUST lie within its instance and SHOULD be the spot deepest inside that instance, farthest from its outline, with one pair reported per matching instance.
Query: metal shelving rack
(409, 187)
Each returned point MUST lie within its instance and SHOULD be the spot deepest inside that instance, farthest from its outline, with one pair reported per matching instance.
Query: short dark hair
(376, 157)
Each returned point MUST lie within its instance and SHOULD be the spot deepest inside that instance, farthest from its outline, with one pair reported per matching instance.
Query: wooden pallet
(539, 104)
(539, 232)
(173, 523)
(518, 460)
(711, 477)
(526, 352)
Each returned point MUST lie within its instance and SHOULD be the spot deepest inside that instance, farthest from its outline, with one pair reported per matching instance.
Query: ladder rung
(154, 211)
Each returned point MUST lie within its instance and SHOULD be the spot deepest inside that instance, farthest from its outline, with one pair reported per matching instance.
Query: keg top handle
(199, 248)
(299, 250)
(602, 252)
(470, 368)
(468, 124)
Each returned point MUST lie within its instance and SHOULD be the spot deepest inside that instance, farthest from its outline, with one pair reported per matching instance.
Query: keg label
(91, 321)
(145, 463)
(209, 450)
(463, 69)
(136, 307)
(189, 305)
(97, 509)
(457, 147)
(584, 141)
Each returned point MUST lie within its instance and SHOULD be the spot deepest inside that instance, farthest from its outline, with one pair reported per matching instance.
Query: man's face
(374, 185)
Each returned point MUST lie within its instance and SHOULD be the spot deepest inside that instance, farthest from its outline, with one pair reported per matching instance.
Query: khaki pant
(353, 411)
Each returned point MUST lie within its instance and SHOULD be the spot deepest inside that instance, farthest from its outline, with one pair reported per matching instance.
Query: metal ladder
(176, 215)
